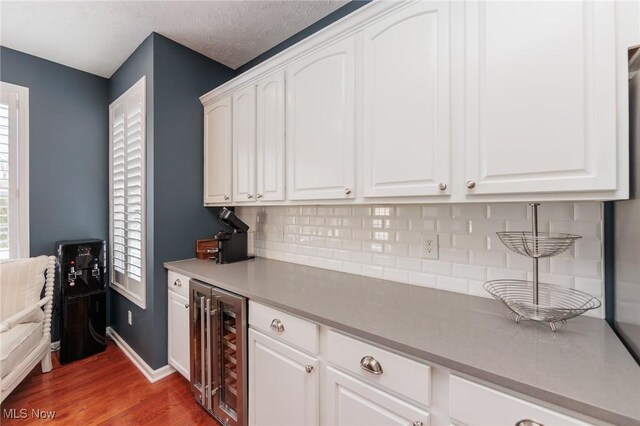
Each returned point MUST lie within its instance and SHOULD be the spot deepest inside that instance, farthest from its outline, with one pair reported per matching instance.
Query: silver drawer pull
(371, 365)
(308, 368)
(186, 306)
(418, 423)
(527, 422)
(277, 325)
(177, 283)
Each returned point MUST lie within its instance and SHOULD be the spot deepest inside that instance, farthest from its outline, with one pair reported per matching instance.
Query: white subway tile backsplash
(469, 211)
(507, 211)
(488, 258)
(396, 275)
(450, 226)
(452, 284)
(465, 241)
(386, 242)
(409, 263)
(469, 271)
(422, 279)
(589, 285)
(587, 211)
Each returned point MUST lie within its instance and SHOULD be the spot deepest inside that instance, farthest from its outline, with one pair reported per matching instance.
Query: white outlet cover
(129, 318)
(429, 243)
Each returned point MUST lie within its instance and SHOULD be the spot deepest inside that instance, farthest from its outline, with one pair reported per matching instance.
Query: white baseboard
(151, 374)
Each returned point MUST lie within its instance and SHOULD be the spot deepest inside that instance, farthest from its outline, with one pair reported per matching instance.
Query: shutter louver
(127, 192)
(4, 181)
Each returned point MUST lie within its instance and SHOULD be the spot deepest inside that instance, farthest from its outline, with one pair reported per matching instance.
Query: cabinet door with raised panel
(355, 403)
(540, 97)
(270, 138)
(244, 144)
(178, 337)
(283, 383)
(217, 152)
(321, 124)
(407, 136)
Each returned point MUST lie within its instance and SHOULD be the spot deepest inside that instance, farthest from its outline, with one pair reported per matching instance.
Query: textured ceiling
(97, 36)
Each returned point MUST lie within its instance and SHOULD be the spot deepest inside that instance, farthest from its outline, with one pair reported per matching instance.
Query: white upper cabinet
(217, 152)
(540, 101)
(270, 138)
(244, 144)
(321, 124)
(433, 101)
(407, 138)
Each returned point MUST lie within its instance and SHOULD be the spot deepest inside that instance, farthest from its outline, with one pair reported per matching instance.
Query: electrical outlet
(430, 246)
(129, 318)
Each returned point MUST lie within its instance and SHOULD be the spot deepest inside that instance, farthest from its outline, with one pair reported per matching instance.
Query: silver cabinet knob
(471, 184)
(186, 306)
(418, 423)
(177, 283)
(442, 186)
(308, 368)
(226, 198)
(259, 195)
(527, 422)
(371, 365)
(347, 191)
(249, 196)
(277, 325)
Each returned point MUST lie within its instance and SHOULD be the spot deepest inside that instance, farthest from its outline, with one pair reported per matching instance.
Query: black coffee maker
(232, 246)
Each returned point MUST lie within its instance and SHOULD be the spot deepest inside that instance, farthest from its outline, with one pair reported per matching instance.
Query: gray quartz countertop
(582, 367)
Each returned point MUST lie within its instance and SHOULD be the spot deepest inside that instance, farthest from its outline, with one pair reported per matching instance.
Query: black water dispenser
(81, 273)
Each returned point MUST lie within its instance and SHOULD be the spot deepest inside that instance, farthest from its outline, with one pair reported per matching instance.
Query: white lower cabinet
(178, 337)
(472, 403)
(283, 383)
(353, 402)
(345, 381)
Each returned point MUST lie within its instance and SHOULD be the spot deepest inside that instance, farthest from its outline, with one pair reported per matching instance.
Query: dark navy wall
(68, 151)
(313, 28)
(176, 217)
(140, 335)
(181, 76)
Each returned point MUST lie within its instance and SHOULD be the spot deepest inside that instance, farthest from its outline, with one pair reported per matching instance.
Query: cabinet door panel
(178, 338)
(407, 141)
(320, 124)
(355, 403)
(281, 391)
(270, 138)
(244, 144)
(217, 152)
(540, 96)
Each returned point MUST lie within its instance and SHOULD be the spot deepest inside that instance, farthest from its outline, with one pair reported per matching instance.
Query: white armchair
(25, 319)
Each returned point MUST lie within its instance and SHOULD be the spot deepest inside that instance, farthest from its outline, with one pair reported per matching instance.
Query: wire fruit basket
(531, 299)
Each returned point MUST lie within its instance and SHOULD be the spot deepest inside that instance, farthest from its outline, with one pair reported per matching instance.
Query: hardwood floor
(104, 389)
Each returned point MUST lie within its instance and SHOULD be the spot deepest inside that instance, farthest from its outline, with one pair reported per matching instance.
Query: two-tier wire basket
(532, 299)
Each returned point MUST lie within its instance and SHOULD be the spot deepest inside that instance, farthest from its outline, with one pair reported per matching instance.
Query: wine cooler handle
(209, 387)
(202, 350)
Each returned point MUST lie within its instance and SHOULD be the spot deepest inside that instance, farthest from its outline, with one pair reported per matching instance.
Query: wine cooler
(218, 359)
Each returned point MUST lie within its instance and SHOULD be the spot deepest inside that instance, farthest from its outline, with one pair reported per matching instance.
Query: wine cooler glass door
(229, 399)
(200, 341)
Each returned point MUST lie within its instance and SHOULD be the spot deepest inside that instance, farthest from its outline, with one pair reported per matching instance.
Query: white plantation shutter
(127, 118)
(4, 181)
(14, 171)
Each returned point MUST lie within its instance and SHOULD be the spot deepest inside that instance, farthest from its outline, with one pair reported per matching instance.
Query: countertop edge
(499, 380)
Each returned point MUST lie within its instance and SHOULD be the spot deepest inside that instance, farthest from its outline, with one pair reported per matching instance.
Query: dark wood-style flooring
(104, 389)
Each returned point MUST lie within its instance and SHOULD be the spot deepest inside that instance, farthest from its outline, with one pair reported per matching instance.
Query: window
(14, 171)
(127, 140)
